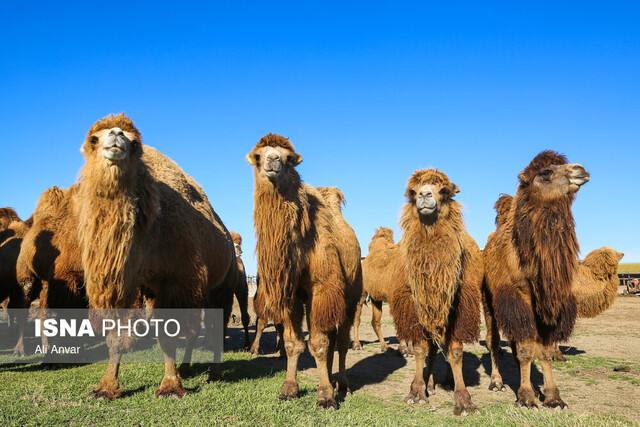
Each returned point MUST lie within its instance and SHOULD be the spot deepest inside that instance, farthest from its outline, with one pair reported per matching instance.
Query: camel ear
(250, 158)
(454, 189)
(296, 159)
(522, 177)
(620, 255)
(82, 150)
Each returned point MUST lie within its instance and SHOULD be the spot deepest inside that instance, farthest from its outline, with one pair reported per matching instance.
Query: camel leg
(109, 386)
(433, 352)
(405, 348)
(171, 385)
(461, 396)
(319, 347)
(418, 387)
(557, 354)
(294, 345)
(493, 342)
(376, 309)
(330, 354)
(525, 353)
(185, 366)
(261, 323)
(242, 295)
(22, 314)
(343, 347)
(357, 345)
(551, 393)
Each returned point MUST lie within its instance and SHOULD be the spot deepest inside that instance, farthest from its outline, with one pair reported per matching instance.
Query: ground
(596, 394)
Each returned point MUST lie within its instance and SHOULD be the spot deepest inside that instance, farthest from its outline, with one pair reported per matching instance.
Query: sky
(368, 92)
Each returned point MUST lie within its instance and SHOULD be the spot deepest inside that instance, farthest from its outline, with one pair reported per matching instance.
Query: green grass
(628, 268)
(246, 396)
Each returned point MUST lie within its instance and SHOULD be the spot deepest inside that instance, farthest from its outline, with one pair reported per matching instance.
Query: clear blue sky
(368, 92)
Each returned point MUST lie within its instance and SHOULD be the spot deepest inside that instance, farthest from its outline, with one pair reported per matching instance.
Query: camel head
(7, 216)
(237, 243)
(274, 159)
(550, 177)
(603, 262)
(113, 144)
(381, 239)
(431, 192)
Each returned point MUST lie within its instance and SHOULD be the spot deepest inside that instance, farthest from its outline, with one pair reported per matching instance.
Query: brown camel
(309, 260)
(530, 264)
(12, 232)
(242, 288)
(377, 282)
(440, 273)
(144, 226)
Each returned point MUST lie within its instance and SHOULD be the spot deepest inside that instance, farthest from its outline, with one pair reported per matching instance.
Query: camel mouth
(426, 210)
(271, 174)
(579, 180)
(114, 154)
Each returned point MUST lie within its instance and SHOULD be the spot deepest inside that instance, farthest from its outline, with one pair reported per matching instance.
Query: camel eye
(444, 192)
(134, 144)
(546, 174)
(94, 140)
(412, 194)
(256, 157)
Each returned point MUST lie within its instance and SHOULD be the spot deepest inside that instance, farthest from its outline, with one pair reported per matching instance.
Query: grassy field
(246, 396)
(628, 268)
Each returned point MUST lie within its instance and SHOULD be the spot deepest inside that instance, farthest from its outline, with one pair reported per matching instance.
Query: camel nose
(116, 131)
(272, 163)
(426, 194)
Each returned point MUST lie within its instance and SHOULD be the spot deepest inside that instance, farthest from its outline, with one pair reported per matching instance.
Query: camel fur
(262, 320)
(308, 260)
(439, 272)
(144, 226)
(530, 263)
(378, 277)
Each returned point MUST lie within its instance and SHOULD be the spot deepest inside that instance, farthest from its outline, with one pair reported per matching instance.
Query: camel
(377, 280)
(12, 232)
(262, 320)
(242, 288)
(145, 226)
(308, 260)
(439, 271)
(530, 263)
(596, 283)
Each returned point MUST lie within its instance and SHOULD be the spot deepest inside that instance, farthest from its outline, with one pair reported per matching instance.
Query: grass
(628, 268)
(246, 396)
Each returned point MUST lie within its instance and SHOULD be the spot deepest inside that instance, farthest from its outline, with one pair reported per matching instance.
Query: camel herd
(135, 230)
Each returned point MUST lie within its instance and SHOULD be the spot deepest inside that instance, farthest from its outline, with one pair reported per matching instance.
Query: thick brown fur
(438, 273)
(595, 285)
(146, 226)
(12, 232)
(530, 264)
(307, 254)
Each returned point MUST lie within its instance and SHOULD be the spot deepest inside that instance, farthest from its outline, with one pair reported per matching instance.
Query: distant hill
(628, 268)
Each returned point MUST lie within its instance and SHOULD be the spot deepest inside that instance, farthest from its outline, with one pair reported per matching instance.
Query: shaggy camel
(377, 280)
(12, 231)
(439, 271)
(309, 259)
(530, 264)
(242, 288)
(144, 226)
(261, 322)
(596, 283)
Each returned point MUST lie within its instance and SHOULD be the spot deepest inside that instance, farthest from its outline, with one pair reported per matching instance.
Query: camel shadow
(570, 350)
(373, 370)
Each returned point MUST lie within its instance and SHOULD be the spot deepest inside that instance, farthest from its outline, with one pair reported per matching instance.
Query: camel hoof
(497, 385)
(289, 391)
(18, 352)
(175, 393)
(254, 350)
(329, 404)
(526, 403)
(416, 398)
(384, 349)
(343, 387)
(559, 357)
(357, 345)
(431, 390)
(185, 370)
(463, 404)
(465, 410)
(171, 387)
(555, 403)
(104, 394)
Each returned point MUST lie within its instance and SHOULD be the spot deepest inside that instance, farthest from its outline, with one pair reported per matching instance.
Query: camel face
(238, 249)
(430, 191)
(556, 181)
(273, 162)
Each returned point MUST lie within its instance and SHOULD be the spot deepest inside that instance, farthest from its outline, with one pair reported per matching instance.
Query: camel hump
(384, 233)
(333, 197)
(51, 198)
(502, 207)
(9, 214)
